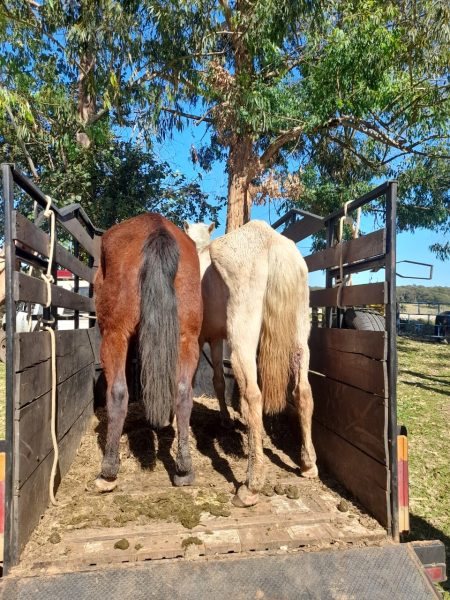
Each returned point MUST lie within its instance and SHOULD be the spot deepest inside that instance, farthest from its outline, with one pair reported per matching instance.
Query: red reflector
(436, 573)
(2, 506)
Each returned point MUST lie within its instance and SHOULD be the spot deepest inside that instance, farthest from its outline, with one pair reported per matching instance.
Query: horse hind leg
(189, 353)
(304, 404)
(114, 353)
(219, 381)
(243, 339)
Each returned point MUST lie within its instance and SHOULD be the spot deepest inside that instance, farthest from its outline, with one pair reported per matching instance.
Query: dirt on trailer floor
(145, 517)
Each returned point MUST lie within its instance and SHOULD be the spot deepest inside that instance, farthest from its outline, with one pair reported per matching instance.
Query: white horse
(215, 297)
(256, 295)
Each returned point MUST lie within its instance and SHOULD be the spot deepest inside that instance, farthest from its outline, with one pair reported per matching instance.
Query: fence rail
(28, 366)
(353, 372)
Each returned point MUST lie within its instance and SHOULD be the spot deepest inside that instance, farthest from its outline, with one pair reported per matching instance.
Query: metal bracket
(413, 262)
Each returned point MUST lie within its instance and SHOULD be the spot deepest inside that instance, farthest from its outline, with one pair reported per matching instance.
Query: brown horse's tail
(279, 326)
(159, 327)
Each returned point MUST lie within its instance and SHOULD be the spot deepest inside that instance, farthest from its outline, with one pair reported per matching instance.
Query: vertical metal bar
(76, 285)
(91, 294)
(328, 276)
(10, 538)
(391, 328)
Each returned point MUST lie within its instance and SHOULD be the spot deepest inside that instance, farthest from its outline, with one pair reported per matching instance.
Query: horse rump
(159, 327)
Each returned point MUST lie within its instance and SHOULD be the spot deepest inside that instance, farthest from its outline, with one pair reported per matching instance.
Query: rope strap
(344, 279)
(48, 278)
(341, 282)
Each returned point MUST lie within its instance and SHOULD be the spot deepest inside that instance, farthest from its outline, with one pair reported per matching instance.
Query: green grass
(424, 407)
(425, 309)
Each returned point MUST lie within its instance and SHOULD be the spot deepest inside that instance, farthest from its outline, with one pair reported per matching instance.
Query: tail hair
(279, 328)
(159, 327)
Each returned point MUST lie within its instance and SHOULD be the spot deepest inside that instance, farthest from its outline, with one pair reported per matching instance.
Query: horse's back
(241, 249)
(117, 283)
(123, 239)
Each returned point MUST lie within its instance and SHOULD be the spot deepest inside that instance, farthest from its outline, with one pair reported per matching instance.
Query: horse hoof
(310, 472)
(244, 497)
(187, 479)
(105, 485)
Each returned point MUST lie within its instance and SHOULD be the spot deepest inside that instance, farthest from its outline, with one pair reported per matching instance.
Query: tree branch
(22, 144)
(39, 27)
(98, 115)
(180, 113)
(289, 136)
(34, 4)
(376, 134)
(350, 148)
(227, 12)
(365, 127)
(272, 150)
(204, 116)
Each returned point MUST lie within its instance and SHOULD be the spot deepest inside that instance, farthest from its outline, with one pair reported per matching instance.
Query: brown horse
(148, 286)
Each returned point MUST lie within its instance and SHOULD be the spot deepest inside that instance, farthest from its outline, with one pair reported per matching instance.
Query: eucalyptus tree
(71, 95)
(285, 80)
(277, 84)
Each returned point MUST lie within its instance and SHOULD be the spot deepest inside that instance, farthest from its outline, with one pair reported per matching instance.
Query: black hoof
(186, 479)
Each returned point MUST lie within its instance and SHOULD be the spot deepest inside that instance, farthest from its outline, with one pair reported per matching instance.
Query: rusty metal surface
(365, 573)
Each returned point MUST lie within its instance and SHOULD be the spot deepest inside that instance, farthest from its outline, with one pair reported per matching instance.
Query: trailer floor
(146, 518)
(364, 573)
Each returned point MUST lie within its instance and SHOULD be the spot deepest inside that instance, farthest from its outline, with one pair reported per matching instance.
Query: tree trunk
(240, 164)
(86, 101)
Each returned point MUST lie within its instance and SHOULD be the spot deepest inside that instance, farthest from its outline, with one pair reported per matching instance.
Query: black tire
(3, 348)
(364, 320)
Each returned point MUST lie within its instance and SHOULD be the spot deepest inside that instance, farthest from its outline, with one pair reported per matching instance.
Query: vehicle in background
(66, 316)
(442, 325)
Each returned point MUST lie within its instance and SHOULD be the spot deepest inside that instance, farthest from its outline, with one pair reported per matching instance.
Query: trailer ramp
(375, 573)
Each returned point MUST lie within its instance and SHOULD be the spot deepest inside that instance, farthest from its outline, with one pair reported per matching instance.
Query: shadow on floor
(146, 444)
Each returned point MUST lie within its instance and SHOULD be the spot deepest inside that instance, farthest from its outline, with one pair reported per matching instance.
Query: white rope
(48, 278)
(341, 283)
(357, 224)
(344, 280)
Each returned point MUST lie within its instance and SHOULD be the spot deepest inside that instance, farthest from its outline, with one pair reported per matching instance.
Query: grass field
(425, 309)
(424, 407)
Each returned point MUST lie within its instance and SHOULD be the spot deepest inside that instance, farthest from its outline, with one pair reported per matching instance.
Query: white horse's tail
(285, 291)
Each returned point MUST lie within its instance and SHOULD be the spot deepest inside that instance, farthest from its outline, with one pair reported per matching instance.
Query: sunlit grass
(424, 407)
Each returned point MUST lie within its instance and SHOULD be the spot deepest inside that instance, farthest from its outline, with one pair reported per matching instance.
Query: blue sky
(410, 246)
